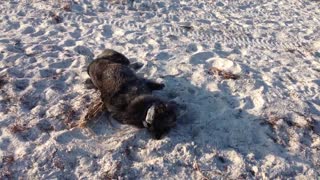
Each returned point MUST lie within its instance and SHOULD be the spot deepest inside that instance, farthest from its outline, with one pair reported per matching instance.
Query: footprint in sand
(83, 51)
(40, 85)
(44, 125)
(4, 143)
(69, 136)
(16, 72)
(224, 52)
(13, 25)
(60, 86)
(107, 31)
(76, 34)
(61, 64)
(38, 33)
(21, 13)
(193, 48)
(69, 43)
(45, 73)
(52, 33)
(28, 30)
(21, 84)
(163, 56)
(201, 57)
(29, 100)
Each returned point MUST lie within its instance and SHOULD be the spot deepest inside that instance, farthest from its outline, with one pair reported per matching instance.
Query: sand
(247, 71)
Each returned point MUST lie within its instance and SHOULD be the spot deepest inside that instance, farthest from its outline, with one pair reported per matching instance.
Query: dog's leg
(89, 84)
(135, 66)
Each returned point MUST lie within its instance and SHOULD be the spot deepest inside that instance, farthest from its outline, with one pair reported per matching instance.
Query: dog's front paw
(89, 84)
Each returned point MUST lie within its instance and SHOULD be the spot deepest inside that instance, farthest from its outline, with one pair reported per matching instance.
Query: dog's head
(160, 117)
(113, 56)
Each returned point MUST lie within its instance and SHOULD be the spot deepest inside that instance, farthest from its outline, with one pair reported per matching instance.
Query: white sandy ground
(264, 125)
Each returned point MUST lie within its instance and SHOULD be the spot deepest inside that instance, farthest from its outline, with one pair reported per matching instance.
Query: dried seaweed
(224, 74)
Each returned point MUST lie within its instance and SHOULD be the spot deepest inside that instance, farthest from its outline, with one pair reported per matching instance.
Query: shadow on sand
(215, 131)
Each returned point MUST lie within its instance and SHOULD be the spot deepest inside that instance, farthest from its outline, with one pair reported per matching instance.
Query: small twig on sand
(186, 27)
(273, 120)
(3, 81)
(5, 171)
(67, 7)
(95, 109)
(8, 159)
(69, 118)
(224, 74)
(56, 18)
(296, 50)
(16, 128)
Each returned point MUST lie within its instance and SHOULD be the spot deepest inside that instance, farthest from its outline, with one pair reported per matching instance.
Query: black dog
(128, 97)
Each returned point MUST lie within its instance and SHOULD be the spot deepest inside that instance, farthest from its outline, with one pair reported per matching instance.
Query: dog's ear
(150, 114)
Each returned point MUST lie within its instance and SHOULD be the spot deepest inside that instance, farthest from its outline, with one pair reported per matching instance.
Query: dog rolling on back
(128, 97)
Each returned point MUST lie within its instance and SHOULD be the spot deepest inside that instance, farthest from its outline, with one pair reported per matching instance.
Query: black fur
(127, 96)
